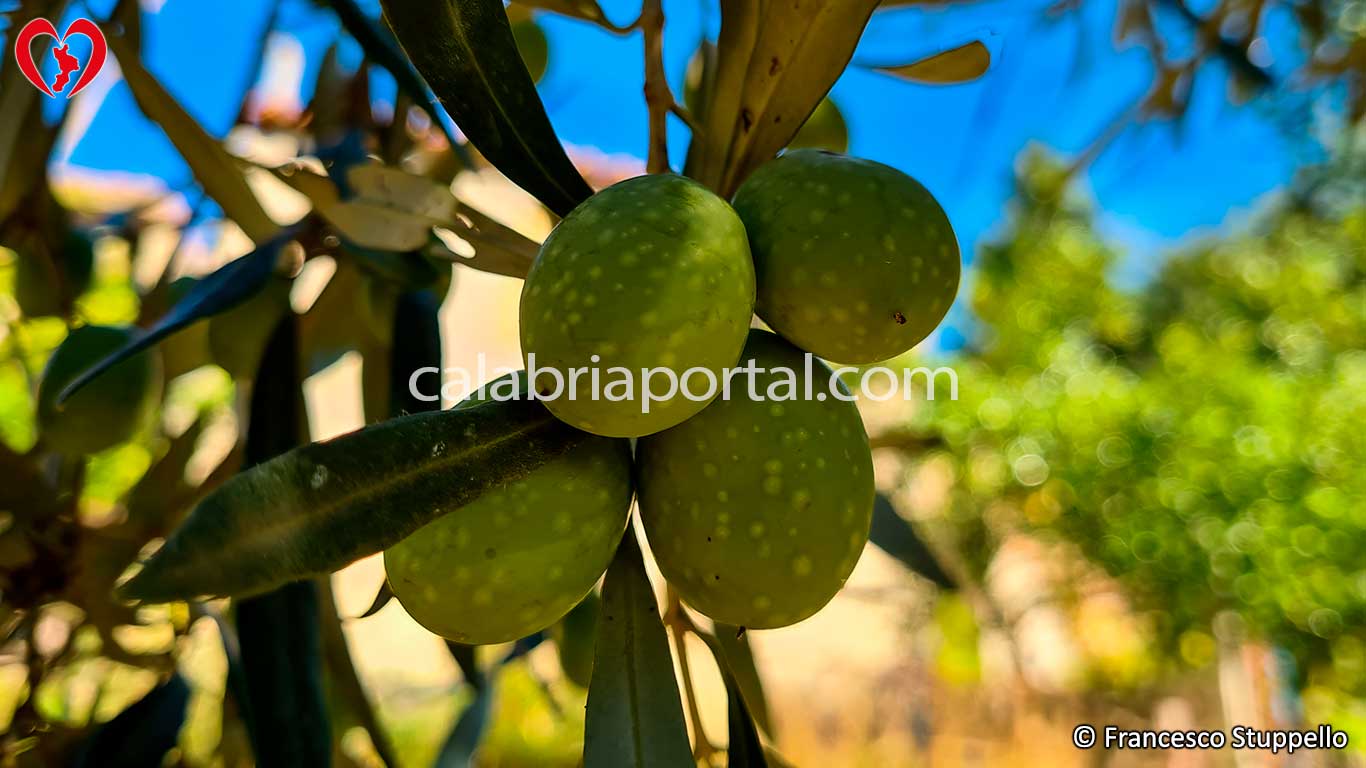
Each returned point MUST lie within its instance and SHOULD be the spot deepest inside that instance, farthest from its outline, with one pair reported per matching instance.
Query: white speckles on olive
(774, 512)
(896, 248)
(673, 286)
(518, 557)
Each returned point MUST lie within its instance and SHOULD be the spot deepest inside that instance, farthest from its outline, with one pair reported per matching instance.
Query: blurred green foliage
(1198, 436)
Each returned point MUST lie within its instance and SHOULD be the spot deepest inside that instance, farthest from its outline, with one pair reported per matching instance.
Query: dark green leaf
(466, 51)
(381, 48)
(635, 716)
(213, 167)
(324, 505)
(278, 632)
(737, 661)
(141, 734)
(417, 345)
(744, 749)
(463, 741)
(230, 285)
(893, 535)
(282, 667)
(343, 683)
(382, 597)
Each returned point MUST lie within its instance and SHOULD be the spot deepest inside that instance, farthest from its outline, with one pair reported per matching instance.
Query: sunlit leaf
(466, 51)
(321, 506)
(228, 286)
(957, 65)
(215, 169)
(776, 61)
(634, 716)
(587, 10)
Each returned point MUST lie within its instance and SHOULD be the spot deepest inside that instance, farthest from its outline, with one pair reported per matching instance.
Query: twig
(679, 624)
(659, 100)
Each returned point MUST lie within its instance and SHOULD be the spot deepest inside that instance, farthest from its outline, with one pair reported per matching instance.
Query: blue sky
(1058, 81)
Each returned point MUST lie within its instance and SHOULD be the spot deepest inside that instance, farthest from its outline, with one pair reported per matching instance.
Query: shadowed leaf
(467, 53)
(214, 169)
(321, 506)
(228, 286)
(381, 48)
(737, 660)
(382, 597)
(958, 65)
(634, 717)
(893, 535)
(143, 733)
(744, 749)
(278, 633)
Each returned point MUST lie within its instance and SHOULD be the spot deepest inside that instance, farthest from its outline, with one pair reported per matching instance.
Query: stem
(659, 100)
(680, 624)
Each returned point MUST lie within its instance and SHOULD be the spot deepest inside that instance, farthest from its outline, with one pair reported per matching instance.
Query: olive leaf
(743, 747)
(214, 169)
(466, 51)
(367, 224)
(634, 715)
(383, 596)
(278, 633)
(776, 60)
(381, 48)
(736, 658)
(324, 505)
(892, 534)
(586, 10)
(957, 65)
(228, 286)
(143, 733)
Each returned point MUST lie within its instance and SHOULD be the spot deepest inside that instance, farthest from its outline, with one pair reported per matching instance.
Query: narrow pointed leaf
(744, 749)
(143, 733)
(366, 224)
(463, 741)
(382, 597)
(228, 286)
(465, 50)
(214, 169)
(957, 65)
(343, 682)
(381, 48)
(278, 634)
(282, 670)
(498, 249)
(587, 10)
(324, 505)
(893, 535)
(635, 716)
(737, 660)
(775, 62)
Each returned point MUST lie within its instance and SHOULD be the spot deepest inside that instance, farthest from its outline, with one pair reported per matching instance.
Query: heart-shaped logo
(67, 64)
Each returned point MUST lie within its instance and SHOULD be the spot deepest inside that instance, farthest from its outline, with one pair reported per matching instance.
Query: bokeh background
(1146, 506)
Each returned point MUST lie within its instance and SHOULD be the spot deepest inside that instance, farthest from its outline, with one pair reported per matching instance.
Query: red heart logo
(67, 63)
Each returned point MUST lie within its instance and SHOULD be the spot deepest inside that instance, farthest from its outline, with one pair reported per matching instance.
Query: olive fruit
(651, 273)
(855, 261)
(516, 559)
(110, 409)
(757, 508)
